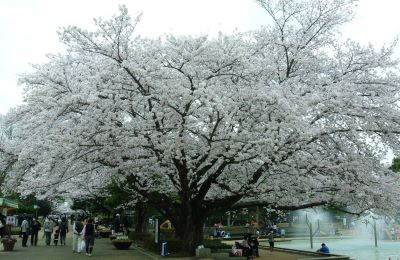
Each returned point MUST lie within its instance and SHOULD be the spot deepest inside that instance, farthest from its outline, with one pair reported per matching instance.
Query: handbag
(82, 246)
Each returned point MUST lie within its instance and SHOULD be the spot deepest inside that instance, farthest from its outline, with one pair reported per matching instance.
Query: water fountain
(369, 238)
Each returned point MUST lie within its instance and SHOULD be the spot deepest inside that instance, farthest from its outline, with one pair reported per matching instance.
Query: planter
(122, 244)
(8, 243)
(112, 237)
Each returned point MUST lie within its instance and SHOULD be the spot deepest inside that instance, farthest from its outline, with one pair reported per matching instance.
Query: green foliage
(26, 205)
(215, 244)
(166, 234)
(136, 236)
(113, 196)
(395, 165)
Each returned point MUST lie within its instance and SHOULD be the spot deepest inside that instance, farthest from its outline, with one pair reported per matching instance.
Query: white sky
(28, 27)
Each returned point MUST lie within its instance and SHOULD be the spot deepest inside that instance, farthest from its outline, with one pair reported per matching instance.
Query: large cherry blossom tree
(287, 116)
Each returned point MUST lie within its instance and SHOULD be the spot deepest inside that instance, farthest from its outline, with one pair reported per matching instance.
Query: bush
(149, 244)
(215, 244)
(15, 230)
(166, 234)
(140, 236)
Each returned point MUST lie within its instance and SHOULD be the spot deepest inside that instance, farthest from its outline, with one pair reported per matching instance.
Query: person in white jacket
(77, 236)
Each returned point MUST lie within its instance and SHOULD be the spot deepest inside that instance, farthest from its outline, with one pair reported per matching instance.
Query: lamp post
(311, 232)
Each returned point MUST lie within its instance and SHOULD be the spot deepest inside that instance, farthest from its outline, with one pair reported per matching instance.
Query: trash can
(164, 249)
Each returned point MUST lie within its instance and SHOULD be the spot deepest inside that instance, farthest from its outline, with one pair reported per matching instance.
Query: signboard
(10, 220)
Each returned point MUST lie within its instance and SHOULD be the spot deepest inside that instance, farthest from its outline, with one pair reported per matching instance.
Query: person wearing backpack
(48, 230)
(88, 233)
(63, 230)
(35, 232)
(77, 228)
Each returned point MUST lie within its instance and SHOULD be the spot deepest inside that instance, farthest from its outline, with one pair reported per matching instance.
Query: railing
(318, 256)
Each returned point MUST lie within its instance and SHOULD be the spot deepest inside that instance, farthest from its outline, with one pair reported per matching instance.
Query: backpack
(78, 226)
(47, 227)
(63, 226)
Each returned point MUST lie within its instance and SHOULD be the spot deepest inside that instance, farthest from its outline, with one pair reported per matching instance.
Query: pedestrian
(271, 240)
(77, 235)
(2, 225)
(247, 227)
(35, 232)
(88, 233)
(126, 225)
(63, 226)
(48, 230)
(117, 223)
(57, 233)
(72, 219)
(24, 230)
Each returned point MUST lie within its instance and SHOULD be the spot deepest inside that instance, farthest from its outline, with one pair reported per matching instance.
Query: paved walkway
(103, 249)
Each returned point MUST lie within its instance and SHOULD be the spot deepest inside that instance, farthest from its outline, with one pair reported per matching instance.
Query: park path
(103, 249)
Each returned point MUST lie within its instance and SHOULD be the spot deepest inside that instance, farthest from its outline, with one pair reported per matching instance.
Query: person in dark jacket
(324, 249)
(63, 230)
(2, 225)
(126, 225)
(88, 234)
(117, 224)
(35, 231)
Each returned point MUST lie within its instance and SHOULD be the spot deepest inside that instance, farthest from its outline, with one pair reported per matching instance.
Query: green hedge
(215, 244)
(136, 236)
(166, 234)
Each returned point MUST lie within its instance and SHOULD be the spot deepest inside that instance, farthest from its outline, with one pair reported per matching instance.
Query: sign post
(156, 231)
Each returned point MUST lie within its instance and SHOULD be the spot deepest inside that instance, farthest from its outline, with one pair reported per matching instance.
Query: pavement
(103, 249)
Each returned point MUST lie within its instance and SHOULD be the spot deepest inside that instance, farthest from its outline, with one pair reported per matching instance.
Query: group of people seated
(248, 247)
(221, 234)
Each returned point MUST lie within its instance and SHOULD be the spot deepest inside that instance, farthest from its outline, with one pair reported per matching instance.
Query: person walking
(24, 230)
(63, 230)
(48, 230)
(88, 233)
(117, 224)
(35, 232)
(126, 225)
(72, 219)
(271, 240)
(77, 228)
(2, 225)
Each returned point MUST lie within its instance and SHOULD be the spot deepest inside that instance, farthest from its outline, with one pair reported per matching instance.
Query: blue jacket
(324, 249)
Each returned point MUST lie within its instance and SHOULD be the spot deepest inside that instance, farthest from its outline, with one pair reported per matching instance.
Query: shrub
(140, 236)
(166, 234)
(215, 244)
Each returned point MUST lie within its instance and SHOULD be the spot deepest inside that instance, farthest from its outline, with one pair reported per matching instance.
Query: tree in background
(285, 117)
(395, 165)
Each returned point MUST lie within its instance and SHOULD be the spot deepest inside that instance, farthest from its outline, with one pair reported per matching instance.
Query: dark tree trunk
(140, 217)
(190, 231)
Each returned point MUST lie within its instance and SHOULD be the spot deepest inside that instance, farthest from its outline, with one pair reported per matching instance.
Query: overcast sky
(28, 27)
